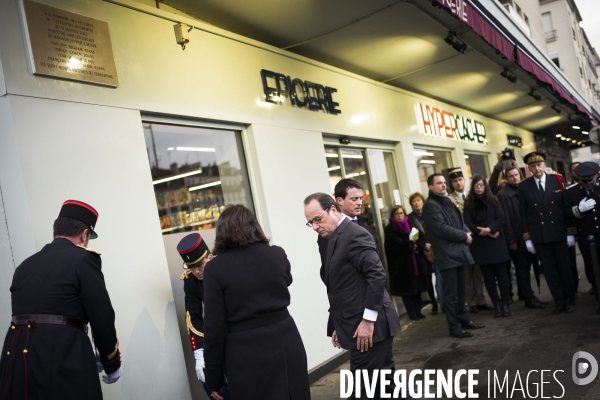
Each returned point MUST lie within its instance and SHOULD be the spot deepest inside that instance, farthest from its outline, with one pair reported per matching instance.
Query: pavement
(529, 340)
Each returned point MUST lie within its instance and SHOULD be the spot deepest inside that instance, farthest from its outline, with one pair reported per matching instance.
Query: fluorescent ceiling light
(217, 183)
(559, 135)
(352, 156)
(427, 162)
(333, 168)
(574, 141)
(176, 177)
(466, 156)
(352, 175)
(585, 133)
(576, 127)
(422, 153)
(206, 149)
(171, 148)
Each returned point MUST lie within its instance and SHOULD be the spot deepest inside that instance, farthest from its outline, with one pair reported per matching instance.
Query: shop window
(429, 162)
(195, 173)
(476, 165)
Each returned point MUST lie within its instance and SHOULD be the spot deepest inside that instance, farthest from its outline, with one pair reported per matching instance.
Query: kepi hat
(82, 212)
(192, 249)
(533, 157)
(455, 172)
(587, 171)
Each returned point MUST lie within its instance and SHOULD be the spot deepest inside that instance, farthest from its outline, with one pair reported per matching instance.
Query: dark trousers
(379, 357)
(573, 258)
(453, 287)
(413, 303)
(523, 263)
(587, 260)
(430, 292)
(491, 273)
(556, 265)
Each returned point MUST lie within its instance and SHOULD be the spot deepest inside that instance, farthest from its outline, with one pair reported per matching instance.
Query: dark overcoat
(249, 334)
(399, 251)
(486, 250)
(587, 223)
(194, 309)
(56, 362)
(508, 197)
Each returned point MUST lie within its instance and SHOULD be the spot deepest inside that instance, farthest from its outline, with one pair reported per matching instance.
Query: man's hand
(512, 247)
(494, 235)
(427, 246)
(483, 231)
(529, 246)
(113, 376)
(499, 158)
(469, 238)
(217, 394)
(334, 340)
(364, 335)
(586, 204)
(199, 356)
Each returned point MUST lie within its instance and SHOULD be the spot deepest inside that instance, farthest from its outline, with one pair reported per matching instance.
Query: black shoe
(474, 309)
(421, 316)
(414, 317)
(434, 311)
(505, 310)
(544, 303)
(484, 307)
(473, 325)
(535, 304)
(557, 311)
(569, 309)
(498, 310)
(461, 334)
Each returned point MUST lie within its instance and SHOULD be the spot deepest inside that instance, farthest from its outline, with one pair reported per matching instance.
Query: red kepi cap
(82, 212)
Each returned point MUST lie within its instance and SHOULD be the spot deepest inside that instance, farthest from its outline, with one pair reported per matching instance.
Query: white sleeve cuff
(370, 315)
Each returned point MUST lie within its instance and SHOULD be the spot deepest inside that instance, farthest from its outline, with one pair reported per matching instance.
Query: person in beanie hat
(55, 294)
(196, 254)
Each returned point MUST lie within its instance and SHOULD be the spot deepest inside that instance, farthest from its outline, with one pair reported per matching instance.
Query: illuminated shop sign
(436, 122)
(301, 93)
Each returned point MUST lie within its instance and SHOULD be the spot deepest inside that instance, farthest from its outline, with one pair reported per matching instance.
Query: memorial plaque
(68, 45)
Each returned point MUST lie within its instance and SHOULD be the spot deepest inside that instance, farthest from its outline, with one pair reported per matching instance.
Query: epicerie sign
(436, 122)
(431, 383)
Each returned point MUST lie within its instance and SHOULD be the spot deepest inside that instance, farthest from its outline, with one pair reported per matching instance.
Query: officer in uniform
(547, 229)
(195, 254)
(474, 295)
(581, 204)
(55, 294)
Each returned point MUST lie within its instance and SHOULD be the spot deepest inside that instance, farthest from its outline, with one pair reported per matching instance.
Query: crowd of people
(237, 297)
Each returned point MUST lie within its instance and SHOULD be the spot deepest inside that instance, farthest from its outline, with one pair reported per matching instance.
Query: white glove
(413, 235)
(199, 356)
(570, 240)
(113, 376)
(99, 365)
(529, 246)
(586, 205)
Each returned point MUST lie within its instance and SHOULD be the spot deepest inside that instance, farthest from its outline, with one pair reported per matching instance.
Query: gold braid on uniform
(571, 231)
(114, 353)
(576, 212)
(185, 274)
(526, 236)
(190, 327)
(195, 261)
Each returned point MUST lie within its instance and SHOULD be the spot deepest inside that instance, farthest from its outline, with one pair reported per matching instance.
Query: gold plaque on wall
(68, 45)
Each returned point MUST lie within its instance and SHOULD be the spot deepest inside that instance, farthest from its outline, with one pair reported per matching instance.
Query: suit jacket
(543, 216)
(194, 310)
(587, 223)
(355, 280)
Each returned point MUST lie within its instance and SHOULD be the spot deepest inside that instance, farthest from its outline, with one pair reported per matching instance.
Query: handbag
(429, 256)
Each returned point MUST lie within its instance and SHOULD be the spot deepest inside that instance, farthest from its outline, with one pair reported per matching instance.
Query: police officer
(547, 229)
(581, 204)
(195, 254)
(55, 293)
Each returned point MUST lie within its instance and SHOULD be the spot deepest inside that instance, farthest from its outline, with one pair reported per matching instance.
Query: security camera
(182, 34)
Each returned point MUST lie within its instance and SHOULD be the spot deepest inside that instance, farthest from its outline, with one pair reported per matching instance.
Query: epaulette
(90, 249)
(185, 274)
(572, 185)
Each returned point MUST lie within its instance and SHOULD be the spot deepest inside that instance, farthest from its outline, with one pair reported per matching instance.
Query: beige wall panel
(98, 155)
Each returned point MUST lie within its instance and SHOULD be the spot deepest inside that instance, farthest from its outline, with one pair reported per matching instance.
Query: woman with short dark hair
(485, 218)
(249, 333)
(407, 270)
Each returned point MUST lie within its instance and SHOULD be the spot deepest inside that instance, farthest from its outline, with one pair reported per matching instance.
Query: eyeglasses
(398, 213)
(317, 220)
(479, 185)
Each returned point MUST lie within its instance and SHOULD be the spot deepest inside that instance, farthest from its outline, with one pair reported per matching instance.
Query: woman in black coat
(407, 270)
(484, 217)
(249, 333)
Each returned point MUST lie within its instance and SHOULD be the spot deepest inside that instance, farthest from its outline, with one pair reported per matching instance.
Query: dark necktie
(354, 220)
(541, 187)
(464, 197)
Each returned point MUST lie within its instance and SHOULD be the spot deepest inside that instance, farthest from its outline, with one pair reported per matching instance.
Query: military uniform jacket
(457, 200)
(543, 216)
(194, 298)
(52, 362)
(587, 223)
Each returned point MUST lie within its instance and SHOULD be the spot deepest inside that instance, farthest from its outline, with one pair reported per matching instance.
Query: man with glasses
(362, 316)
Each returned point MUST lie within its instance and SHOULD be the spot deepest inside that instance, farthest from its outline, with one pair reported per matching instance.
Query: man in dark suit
(363, 316)
(55, 293)
(547, 229)
(581, 204)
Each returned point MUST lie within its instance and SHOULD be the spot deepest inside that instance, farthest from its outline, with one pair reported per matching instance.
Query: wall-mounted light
(535, 94)
(182, 34)
(585, 132)
(576, 127)
(457, 44)
(507, 74)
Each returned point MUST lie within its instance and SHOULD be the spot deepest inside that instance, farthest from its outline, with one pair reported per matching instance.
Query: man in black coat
(195, 254)
(55, 293)
(449, 238)
(547, 229)
(581, 204)
(509, 200)
(363, 316)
